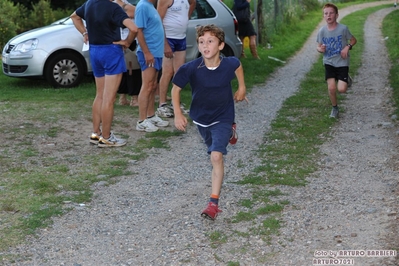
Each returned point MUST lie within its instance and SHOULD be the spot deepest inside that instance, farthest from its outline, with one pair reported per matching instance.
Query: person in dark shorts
(335, 40)
(242, 11)
(212, 105)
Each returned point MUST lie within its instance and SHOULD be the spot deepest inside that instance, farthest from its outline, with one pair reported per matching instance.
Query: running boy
(335, 40)
(212, 106)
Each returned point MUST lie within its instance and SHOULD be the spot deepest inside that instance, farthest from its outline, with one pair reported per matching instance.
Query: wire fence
(269, 15)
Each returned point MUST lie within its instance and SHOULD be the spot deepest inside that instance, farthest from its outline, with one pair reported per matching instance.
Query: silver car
(54, 52)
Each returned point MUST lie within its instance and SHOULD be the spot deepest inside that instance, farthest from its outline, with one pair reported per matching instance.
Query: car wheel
(227, 51)
(64, 70)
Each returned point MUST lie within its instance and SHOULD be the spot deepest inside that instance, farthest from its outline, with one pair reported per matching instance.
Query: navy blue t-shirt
(212, 95)
(103, 20)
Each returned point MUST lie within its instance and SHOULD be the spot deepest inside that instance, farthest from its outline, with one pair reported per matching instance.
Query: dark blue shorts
(216, 137)
(338, 73)
(107, 59)
(177, 44)
(143, 66)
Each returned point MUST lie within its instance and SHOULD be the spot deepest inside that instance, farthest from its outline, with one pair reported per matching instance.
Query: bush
(41, 15)
(9, 15)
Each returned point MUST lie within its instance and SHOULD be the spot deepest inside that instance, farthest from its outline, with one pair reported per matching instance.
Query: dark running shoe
(211, 211)
(350, 81)
(234, 136)
(334, 113)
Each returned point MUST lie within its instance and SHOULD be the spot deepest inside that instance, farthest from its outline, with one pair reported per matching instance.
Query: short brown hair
(213, 29)
(331, 5)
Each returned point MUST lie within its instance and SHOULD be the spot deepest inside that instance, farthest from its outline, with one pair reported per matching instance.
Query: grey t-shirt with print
(335, 41)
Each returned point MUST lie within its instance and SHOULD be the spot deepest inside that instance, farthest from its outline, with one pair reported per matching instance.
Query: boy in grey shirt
(335, 40)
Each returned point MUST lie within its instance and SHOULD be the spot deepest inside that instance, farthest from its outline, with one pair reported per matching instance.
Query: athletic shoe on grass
(157, 121)
(334, 113)
(164, 111)
(112, 141)
(146, 126)
(94, 138)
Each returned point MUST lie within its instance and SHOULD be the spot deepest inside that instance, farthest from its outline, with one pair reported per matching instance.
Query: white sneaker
(158, 121)
(183, 109)
(164, 111)
(112, 141)
(146, 126)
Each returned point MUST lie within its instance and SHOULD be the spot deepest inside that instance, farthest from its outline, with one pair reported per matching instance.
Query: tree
(56, 4)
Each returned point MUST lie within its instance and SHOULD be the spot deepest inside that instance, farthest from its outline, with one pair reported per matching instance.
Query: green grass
(291, 147)
(390, 30)
(35, 183)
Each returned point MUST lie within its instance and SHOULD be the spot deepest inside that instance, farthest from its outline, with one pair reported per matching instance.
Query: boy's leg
(332, 91)
(342, 86)
(216, 138)
(217, 172)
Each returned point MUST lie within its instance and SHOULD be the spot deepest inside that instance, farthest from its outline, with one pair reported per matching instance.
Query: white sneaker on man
(157, 121)
(164, 111)
(146, 126)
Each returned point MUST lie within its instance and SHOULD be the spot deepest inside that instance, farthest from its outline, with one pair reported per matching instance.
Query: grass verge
(291, 147)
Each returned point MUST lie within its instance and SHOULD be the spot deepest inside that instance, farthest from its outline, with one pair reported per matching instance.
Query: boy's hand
(180, 122)
(240, 96)
(345, 52)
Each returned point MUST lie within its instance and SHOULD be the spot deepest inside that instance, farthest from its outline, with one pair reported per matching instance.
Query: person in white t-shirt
(175, 16)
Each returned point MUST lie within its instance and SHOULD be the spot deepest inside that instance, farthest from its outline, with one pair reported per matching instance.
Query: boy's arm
(180, 119)
(240, 93)
(345, 51)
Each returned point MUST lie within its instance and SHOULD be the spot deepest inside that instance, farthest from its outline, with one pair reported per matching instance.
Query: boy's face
(329, 15)
(209, 45)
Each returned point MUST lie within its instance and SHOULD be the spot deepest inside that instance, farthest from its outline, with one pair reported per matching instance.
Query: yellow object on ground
(246, 42)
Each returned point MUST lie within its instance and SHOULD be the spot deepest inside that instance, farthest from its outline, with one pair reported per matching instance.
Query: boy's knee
(216, 156)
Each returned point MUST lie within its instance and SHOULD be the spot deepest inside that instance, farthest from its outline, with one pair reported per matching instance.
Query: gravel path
(152, 218)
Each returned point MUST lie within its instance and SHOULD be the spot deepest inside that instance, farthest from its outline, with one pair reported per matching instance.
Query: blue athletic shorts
(107, 59)
(338, 73)
(217, 136)
(177, 45)
(143, 66)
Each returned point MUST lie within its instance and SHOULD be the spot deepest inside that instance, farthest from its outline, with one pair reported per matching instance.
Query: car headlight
(26, 46)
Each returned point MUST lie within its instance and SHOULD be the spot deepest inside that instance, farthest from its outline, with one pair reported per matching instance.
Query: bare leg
(97, 103)
(242, 51)
(217, 172)
(148, 87)
(342, 86)
(332, 91)
(169, 67)
(111, 86)
(252, 46)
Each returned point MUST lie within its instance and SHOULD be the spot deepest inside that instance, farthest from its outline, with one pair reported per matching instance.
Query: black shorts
(338, 73)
